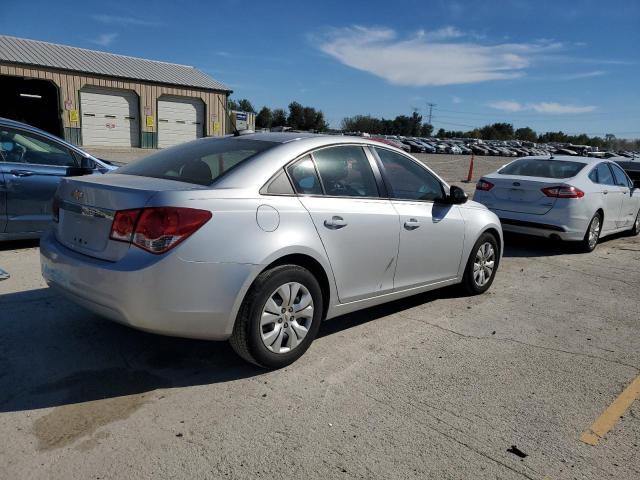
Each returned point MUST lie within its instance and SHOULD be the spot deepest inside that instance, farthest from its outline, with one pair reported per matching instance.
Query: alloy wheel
(286, 317)
(594, 232)
(484, 264)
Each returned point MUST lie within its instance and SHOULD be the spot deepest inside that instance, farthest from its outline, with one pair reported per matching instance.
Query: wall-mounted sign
(110, 126)
(149, 121)
(216, 127)
(241, 116)
(147, 110)
(214, 117)
(73, 116)
(68, 104)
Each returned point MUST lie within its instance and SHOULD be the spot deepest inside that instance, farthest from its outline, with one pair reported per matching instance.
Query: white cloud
(105, 39)
(429, 58)
(507, 106)
(541, 107)
(124, 21)
(455, 99)
(579, 75)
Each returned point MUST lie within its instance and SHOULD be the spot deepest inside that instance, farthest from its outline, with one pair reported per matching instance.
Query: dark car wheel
(482, 265)
(635, 230)
(279, 317)
(590, 241)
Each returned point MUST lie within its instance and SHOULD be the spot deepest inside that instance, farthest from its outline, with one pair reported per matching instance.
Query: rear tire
(273, 330)
(482, 265)
(591, 238)
(635, 230)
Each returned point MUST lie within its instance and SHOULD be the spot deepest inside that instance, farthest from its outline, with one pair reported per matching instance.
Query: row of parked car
(500, 148)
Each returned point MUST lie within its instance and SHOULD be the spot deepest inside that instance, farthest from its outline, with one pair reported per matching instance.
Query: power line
(430, 105)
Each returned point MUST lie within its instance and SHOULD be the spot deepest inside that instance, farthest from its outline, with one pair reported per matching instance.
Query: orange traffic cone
(470, 174)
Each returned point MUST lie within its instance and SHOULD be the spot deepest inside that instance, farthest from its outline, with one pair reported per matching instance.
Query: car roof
(566, 158)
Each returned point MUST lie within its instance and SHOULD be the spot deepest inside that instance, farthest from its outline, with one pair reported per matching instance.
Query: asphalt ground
(436, 386)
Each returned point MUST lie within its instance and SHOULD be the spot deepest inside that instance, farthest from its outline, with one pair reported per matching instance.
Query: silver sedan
(258, 238)
(571, 198)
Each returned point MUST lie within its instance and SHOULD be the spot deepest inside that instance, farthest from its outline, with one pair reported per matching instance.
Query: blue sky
(570, 65)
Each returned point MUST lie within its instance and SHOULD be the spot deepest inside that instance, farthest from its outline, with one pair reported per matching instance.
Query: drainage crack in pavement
(512, 340)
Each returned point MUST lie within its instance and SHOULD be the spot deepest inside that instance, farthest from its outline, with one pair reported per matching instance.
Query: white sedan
(570, 198)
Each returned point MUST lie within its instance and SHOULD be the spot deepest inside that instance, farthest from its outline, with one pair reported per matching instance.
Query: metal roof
(44, 54)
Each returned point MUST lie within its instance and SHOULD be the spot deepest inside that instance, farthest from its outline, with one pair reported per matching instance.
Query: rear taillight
(563, 191)
(55, 208)
(157, 229)
(484, 185)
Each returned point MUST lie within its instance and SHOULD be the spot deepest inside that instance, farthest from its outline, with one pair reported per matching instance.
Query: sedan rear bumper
(167, 295)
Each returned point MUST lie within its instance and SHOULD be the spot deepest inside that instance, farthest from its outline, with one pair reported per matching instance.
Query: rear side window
(346, 172)
(200, 162)
(602, 175)
(534, 167)
(304, 176)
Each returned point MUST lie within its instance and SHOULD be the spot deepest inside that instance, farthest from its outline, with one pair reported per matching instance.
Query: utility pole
(430, 105)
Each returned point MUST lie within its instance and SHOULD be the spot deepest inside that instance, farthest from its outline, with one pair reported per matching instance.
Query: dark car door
(32, 167)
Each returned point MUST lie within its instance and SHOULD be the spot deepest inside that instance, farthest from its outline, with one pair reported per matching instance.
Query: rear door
(431, 233)
(32, 169)
(610, 193)
(629, 204)
(359, 230)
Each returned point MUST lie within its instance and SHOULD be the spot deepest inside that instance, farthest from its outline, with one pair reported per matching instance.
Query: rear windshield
(532, 167)
(200, 162)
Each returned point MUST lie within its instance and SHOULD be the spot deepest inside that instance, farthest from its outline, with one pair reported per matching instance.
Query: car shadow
(519, 245)
(55, 353)
(18, 244)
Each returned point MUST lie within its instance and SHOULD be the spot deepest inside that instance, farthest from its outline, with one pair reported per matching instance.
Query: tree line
(297, 116)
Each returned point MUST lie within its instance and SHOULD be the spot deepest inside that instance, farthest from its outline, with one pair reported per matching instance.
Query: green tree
(279, 118)
(296, 116)
(426, 130)
(526, 134)
(264, 118)
(244, 105)
(441, 133)
(232, 104)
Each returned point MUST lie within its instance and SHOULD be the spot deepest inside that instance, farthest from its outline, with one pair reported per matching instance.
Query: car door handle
(335, 223)
(411, 224)
(21, 173)
(606, 192)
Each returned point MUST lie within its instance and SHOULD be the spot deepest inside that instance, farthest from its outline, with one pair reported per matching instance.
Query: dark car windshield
(200, 162)
(534, 167)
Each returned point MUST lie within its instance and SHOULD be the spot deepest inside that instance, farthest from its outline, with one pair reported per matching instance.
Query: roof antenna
(225, 108)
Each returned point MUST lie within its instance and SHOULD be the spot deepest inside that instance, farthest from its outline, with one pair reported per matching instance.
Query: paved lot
(436, 386)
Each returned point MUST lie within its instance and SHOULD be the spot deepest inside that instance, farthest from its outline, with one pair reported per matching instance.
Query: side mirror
(87, 163)
(457, 195)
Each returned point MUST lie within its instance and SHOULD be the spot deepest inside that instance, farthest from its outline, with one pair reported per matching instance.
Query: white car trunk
(514, 194)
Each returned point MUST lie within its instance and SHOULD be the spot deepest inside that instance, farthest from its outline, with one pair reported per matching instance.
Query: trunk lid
(513, 193)
(88, 205)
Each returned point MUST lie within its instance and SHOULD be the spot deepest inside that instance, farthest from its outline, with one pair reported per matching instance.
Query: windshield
(532, 167)
(200, 162)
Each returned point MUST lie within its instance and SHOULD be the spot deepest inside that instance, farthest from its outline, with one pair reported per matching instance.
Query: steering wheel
(22, 149)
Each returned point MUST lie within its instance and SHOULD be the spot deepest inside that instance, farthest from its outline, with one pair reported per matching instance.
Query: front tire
(279, 317)
(635, 230)
(590, 241)
(482, 265)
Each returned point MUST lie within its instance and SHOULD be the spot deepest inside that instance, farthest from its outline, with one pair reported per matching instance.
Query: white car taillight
(563, 191)
(157, 229)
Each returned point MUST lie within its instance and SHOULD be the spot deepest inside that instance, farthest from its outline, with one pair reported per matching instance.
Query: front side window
(619, 175)
(408, 180)
(17, 146)
(345, 172)
(200, 162)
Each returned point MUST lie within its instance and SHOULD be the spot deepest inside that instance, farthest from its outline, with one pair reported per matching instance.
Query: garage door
(109, 118)
(179, 120)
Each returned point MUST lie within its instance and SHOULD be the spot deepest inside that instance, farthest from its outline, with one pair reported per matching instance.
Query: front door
(359, 230)
(32, 167)
(431, 232)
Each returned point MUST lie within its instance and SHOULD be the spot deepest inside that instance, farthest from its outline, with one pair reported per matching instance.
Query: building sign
(241, 120)
(110, 126)
(149, 121)
(73, 116)
(147, 110)
(214, 117)
(67, 105)
(216, 127)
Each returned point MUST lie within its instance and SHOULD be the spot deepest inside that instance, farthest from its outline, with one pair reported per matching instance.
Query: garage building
(94, 98)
